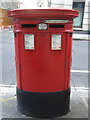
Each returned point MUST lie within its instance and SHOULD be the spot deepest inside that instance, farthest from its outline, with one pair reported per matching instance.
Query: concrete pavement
(81, 36)
(79, 103)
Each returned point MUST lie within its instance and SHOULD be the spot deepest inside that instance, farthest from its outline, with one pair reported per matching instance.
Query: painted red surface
(43, 69)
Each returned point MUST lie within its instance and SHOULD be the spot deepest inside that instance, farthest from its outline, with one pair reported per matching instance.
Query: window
(80, 7)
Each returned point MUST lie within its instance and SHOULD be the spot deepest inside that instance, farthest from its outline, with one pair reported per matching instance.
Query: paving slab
(78, 103)
(79, 79)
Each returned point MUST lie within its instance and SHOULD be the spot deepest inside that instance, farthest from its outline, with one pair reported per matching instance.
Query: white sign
(29, 41)
(56, 42)
(56, 21)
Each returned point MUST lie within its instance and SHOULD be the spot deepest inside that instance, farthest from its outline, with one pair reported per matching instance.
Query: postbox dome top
(45, 13)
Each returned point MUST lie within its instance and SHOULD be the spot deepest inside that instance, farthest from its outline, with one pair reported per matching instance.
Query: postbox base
(43, 105)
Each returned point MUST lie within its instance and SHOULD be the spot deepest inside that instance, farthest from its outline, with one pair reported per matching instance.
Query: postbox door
(42, 61)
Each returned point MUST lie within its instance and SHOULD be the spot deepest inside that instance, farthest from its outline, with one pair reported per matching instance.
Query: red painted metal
(48, 13)
(43, 69)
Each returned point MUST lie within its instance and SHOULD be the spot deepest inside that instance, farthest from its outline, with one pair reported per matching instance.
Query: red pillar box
(43, 46)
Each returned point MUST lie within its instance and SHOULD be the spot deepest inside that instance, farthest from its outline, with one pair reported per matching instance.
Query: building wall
(9, 4)
(42, 3)
(86, 17)
(34, 3)
(69, 5)
(86, 20)
(29, 4)
(62, 3)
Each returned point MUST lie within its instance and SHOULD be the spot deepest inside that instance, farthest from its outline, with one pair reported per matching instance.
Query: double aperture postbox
(43, 43)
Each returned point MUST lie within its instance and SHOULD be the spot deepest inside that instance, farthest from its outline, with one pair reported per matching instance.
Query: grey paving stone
(78, 107)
